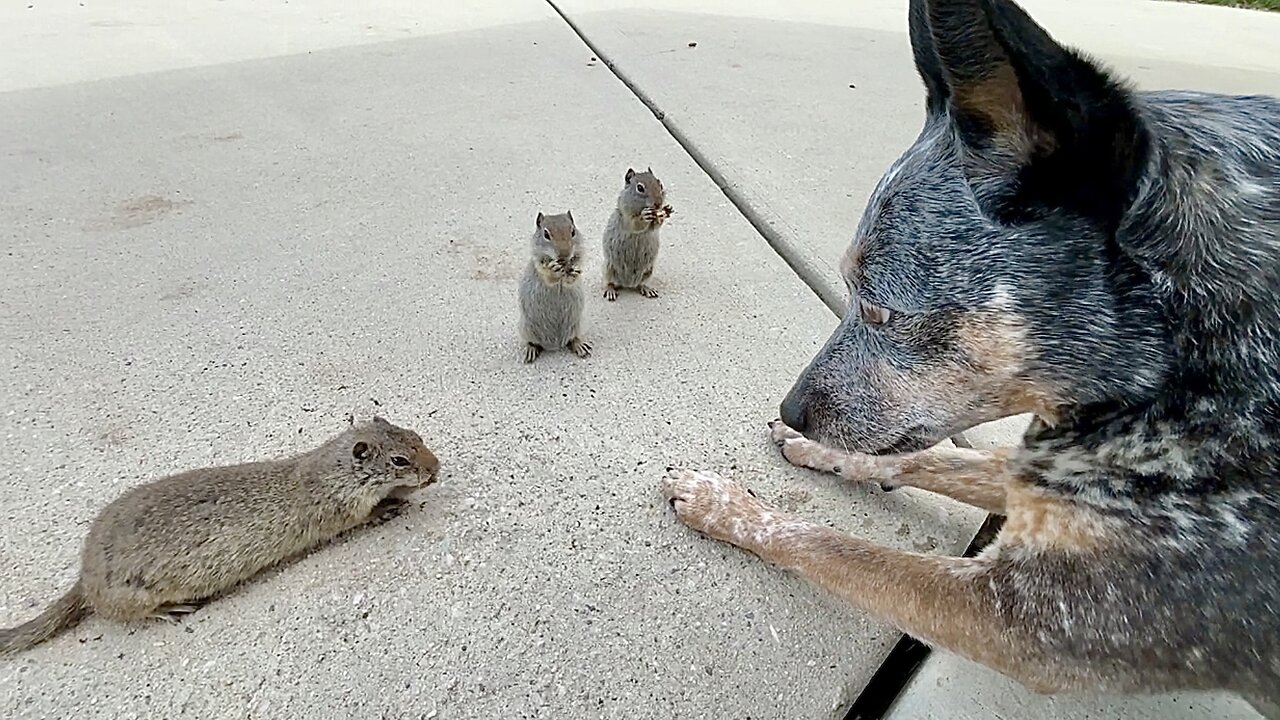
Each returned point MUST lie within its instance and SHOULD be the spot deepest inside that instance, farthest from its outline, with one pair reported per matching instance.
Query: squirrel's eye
(399, 461)
(546, 234)
(873, 314)
(639, 187)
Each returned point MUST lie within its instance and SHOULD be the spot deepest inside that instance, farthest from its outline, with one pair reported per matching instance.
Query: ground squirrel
(160, 549)
(631, 236)
(550, 296)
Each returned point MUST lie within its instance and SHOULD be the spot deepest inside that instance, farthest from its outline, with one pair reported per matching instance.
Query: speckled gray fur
(551, 313)
(631, 253)
(631, 234)
(551, 298)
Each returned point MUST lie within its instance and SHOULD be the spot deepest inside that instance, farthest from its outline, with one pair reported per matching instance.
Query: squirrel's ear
(649, 170)
(360, 450)
(630, 174)
(539, 220)
(569, 213)
(379, 420)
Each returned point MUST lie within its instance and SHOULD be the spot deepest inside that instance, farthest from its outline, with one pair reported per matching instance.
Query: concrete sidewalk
(231, 223)
(216, 263)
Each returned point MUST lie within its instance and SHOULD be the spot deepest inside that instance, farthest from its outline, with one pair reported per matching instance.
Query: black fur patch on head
(1043, 129)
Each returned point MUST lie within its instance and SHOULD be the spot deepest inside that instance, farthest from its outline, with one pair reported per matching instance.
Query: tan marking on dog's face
(995, 342)
(986, 379)
(851, 263)
(994, 377)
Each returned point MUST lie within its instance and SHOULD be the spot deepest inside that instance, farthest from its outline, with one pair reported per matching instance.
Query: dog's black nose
(794, 412)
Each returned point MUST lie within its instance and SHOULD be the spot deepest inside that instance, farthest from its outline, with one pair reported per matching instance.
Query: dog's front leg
(976, 477)
(944, 601)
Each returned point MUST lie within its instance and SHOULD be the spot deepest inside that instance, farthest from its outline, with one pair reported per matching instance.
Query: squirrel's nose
(428, 461)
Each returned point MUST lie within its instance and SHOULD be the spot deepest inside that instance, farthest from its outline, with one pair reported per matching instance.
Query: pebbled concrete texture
(217, 263)
(948, 687)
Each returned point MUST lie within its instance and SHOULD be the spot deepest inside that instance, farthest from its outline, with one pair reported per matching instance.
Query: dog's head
(984, 277)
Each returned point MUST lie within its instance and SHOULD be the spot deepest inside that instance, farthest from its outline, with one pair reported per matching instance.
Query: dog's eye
(873, 314)
(640, 187)
(399, 461)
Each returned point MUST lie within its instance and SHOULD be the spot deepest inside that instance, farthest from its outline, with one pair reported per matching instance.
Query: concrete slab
(219, 263)
(948, 687)
(1001, 433)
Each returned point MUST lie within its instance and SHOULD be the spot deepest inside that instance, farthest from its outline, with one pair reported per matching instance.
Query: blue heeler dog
(1109, 261)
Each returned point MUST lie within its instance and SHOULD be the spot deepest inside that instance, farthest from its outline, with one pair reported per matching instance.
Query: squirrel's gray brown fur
(161, 548)
(550, 296)
(631, 235)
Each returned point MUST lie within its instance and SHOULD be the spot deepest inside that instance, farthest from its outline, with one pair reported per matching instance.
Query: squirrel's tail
(64, 613)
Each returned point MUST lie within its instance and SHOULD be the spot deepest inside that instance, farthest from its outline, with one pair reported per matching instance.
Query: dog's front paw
(710, 504)
(798, 449)
(803, 452)
(780, 432)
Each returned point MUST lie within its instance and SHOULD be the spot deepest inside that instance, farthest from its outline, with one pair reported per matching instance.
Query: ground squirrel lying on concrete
(631, 236)
(550, 296)
(160, 548)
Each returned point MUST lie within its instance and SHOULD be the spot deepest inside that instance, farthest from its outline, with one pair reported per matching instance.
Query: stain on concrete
(143, 210)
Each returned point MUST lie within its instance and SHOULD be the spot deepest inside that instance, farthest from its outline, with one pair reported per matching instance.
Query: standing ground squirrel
(161, 548)
(631, 236)
(550, 296)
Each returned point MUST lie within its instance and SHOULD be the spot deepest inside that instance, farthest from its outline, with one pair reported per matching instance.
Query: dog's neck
(1178, 446)
(1205, 229)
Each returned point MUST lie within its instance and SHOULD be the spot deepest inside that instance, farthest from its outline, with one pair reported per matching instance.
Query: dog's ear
(927, 57)
(1041, 127)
